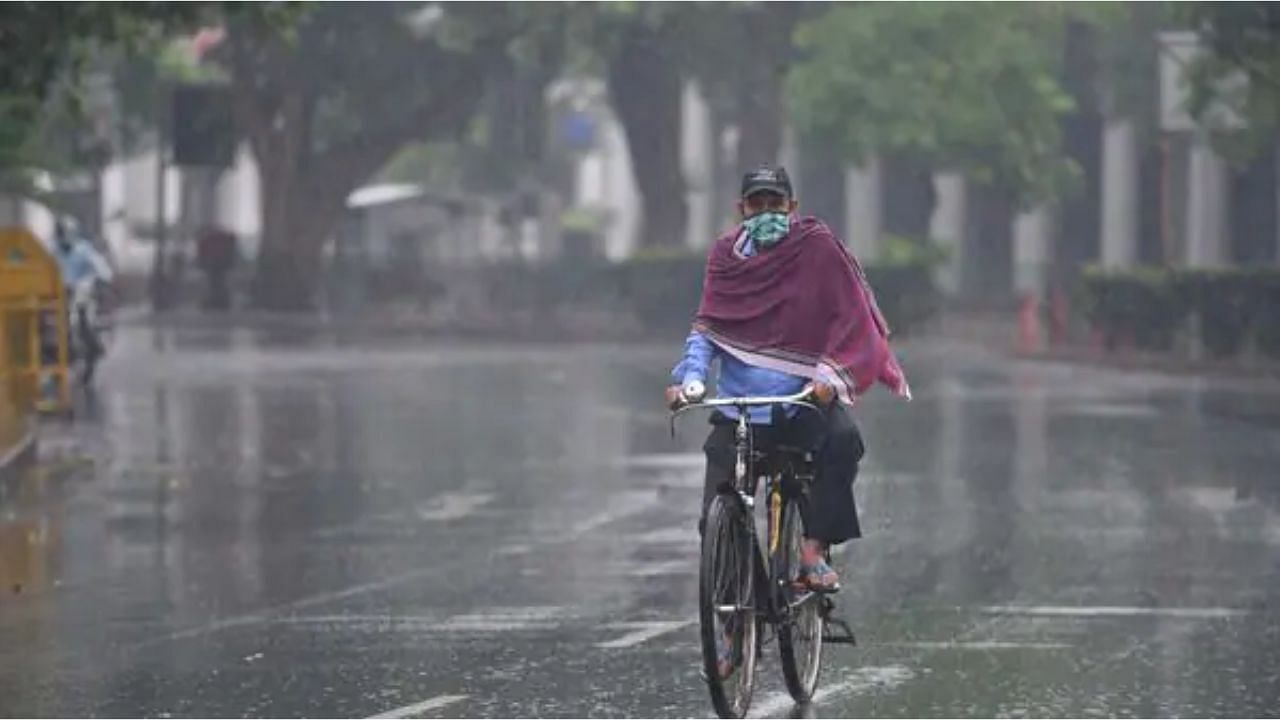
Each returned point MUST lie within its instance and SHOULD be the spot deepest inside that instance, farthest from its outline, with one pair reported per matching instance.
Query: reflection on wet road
(294, 526)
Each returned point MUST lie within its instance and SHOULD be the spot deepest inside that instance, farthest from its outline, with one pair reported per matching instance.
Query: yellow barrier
(33, 331)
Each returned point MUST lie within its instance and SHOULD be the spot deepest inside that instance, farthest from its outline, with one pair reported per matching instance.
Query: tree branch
(363, 155)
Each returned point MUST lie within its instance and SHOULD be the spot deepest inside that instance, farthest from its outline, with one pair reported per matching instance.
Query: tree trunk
(821, 185)
(760, 122)
(908, 198)
(288, 268)
(644, 85)
(760, 98)
(297, 219)
(305, 184)
(987, 275)
(1081, 225)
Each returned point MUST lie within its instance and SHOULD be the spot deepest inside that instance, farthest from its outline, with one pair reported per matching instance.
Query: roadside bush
(1150, 306)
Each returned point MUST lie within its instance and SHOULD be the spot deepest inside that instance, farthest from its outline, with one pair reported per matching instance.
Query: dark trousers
(830, 512)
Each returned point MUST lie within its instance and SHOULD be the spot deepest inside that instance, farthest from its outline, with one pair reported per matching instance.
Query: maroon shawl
(802, 307)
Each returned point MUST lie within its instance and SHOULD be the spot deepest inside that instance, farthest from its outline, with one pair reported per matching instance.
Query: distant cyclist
(784, 305)
(84, 272)
(76, 256)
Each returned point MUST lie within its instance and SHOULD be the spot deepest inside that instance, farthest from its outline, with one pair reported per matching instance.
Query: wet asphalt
(245, 523)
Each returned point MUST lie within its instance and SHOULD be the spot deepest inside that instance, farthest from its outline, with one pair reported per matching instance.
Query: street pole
(159, 293)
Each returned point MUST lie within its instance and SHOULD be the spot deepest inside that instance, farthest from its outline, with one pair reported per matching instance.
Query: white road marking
(622, 506)
(453, 506)
(504, 619)
(428, 705)
(684, 535)
(977, 645)
(665, 461)
(513, 549)
(665, 567)
(643, 632)
(492, 620)
(1209, 613)
(420, 623)
(265, 615)
(860, 680)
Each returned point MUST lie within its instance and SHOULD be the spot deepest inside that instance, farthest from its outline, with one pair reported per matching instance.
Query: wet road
(302, 526)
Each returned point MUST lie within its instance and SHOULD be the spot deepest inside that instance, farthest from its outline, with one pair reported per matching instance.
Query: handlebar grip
(693, 391)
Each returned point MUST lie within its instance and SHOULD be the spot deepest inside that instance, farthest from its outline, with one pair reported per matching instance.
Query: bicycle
(732, 606)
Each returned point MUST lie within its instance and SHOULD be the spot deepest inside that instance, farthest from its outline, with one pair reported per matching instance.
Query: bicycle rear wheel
(726, 602)
(801, 627)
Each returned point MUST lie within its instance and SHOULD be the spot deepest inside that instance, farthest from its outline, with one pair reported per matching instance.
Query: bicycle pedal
(844, 636)
(849, 640)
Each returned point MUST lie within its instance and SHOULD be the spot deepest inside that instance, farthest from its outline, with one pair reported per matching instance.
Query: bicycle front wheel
(726, 600)
(801, 627)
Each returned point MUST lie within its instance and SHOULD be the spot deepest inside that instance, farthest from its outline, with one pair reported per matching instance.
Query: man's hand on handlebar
(692, 392)
(673, 397)
(823, 393)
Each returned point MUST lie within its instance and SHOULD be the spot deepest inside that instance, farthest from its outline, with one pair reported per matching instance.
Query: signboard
(203, 129)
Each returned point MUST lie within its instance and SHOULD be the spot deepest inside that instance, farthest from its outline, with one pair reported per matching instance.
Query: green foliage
(1142, 305)
(1243, 42)
(582, 220)
(969, 86)
(433, 165)
(44, 49)
(905, 292)
(915, 252)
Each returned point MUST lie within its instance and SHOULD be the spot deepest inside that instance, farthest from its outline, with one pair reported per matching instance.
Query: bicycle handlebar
(800, 399)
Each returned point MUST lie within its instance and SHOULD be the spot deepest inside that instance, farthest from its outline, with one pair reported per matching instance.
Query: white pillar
(622, 196)
(1030, 251)
(1119, 194)
(1206, 206)
(697, 158)
(862, 208)
(947, 225)
(238, 202)
(113, 192)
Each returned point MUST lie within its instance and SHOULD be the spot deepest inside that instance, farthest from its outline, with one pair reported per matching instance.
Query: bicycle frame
(745, 483)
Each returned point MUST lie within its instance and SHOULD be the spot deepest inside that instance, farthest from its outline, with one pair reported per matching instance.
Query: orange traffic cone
(1029, 324)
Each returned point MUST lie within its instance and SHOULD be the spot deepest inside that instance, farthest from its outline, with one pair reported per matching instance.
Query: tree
(944, 85)
(44, 48)
(325, 106)
(739, 52)
(1243, 43)
(638, 46)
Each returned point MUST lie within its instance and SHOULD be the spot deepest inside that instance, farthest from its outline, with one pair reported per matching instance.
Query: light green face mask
(768, 228)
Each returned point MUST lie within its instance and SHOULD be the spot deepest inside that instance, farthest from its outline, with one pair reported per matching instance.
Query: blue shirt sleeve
(698, 354)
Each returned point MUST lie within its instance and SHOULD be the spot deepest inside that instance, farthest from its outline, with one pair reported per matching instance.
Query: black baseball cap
(767, 178)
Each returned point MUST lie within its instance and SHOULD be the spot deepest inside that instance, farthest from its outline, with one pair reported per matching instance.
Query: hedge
(1152, 307)
(662, 290)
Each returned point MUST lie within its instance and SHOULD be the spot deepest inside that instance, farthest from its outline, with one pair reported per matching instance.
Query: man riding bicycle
(785, 305)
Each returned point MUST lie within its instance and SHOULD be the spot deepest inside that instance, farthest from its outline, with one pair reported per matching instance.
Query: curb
(17, 457)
